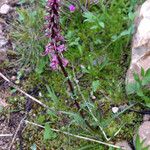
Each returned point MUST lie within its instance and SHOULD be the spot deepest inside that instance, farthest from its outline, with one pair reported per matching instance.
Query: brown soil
(8, 121)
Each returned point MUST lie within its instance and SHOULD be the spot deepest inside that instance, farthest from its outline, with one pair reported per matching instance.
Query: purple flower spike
(54, 62)
(72, 8)
(56, 46)
(61, 48)
(65, 62)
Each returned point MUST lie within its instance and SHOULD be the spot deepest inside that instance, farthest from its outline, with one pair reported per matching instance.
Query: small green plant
(95, 21)
(140, 86)
(48, 133)
(139, 145)
(27, 33)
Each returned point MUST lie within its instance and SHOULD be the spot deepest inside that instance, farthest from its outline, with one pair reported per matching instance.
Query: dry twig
(74, 135)
(15, 135)
(21, 91)
(6, 135)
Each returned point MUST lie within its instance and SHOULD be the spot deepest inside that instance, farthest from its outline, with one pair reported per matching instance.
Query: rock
(144, 133)
(141, 43)
(145, 9)
(3, 42)
(124, 145)
(115, 110)
(13, 78)
(146, 118)
(93, 97)
(5, 9)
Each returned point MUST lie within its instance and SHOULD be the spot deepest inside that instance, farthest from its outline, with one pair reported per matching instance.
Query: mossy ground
(101, 54)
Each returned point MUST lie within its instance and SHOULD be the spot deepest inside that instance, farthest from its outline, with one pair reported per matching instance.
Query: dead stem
(74, 135)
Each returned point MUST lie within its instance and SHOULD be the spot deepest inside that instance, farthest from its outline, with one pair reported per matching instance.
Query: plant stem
(71, 87)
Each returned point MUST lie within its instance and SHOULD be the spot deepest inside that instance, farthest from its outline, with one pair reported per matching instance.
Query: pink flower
(54, 62)
(56, 46)
(49, 48)
(65, 62)
(61, 48)
(72, 8)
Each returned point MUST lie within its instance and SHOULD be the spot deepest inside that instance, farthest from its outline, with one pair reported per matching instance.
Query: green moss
(4, 64)
(95, 54)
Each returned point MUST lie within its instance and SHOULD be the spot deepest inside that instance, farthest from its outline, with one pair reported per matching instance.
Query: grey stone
(3, 42)
(124, 145)
(141, 43)
(146, 118)
(144, 133)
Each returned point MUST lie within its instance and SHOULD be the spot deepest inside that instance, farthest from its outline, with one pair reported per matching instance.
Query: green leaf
(147, 73)
(146, 78)
(140, 93)
(48, 133)
(52, 113)
(84, 69)
(132, 87)
(145, 81)
(131, 16)
(148, 104)
(136, 77)
(90, 17)
(94, 27)
(139, 145)
(80, 49)
(98, 41)
(101, 24)
(41, 119)
(142, 72)
(95, 85)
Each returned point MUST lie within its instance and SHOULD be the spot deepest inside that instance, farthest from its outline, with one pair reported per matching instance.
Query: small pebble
(5, 9)
(3, 41)
(124, 145)
(13, 78)
(40, 94)
(93, 97)
(115, 110)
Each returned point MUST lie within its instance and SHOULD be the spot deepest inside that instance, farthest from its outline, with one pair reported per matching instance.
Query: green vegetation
(98, 43)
